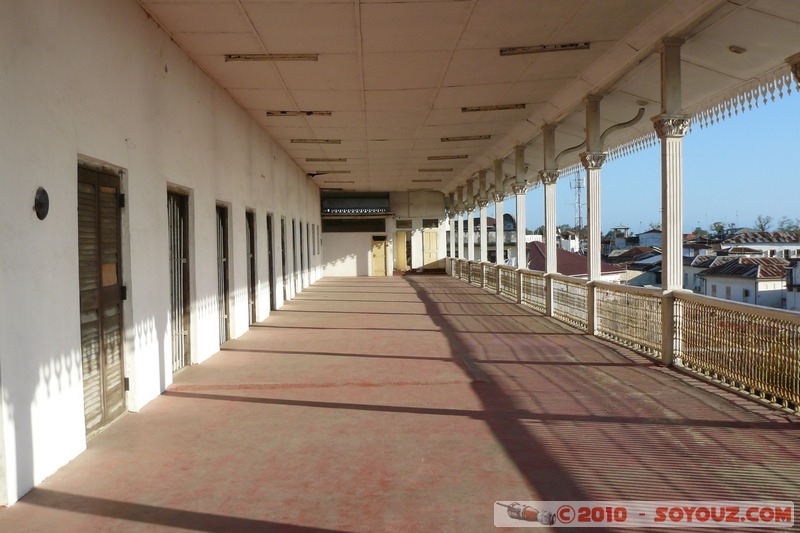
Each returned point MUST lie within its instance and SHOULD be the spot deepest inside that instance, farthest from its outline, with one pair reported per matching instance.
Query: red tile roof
(569, 263)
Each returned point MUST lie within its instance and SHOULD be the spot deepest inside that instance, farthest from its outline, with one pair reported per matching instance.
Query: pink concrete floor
(411, 404)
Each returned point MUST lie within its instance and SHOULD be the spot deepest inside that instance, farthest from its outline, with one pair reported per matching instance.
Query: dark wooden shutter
(100, 273)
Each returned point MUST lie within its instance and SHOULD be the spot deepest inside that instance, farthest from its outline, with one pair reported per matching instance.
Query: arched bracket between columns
(621, 126)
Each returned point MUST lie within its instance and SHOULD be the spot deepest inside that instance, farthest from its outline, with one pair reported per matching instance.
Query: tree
(655, 225)
(700, 232)
(539, 230)
(787, 224)
(763, 222)
(718, 227)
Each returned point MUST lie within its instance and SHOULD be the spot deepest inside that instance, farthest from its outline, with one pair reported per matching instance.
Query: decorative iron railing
(750, 349)
(630, 316)
(534, 290)
(490, 277)
(508, 282)
(569, 300)
(475, 274)
(746, 347)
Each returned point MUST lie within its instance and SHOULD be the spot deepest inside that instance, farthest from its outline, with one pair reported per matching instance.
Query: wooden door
(271, 265)
(250, 224)
(223, 280)
(430, 247)
(379, 256)
(400, 257)
(101, 295)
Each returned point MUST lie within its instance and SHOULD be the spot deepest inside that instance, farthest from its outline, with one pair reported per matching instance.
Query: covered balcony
(413, 404)
(194, 193)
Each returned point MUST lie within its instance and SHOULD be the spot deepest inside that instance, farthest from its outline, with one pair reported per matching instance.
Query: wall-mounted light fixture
(41, 203)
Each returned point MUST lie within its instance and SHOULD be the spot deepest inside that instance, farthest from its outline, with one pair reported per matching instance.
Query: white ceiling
(395, 74)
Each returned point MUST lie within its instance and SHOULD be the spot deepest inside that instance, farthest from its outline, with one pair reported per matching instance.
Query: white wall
(347, 254)
(769, 293)
(99, 81)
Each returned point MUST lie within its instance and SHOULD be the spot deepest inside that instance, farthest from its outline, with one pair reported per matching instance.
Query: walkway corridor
(411, 404)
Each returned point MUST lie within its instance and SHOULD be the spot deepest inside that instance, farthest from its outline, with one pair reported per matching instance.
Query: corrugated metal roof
(765, 237)
(750, 267)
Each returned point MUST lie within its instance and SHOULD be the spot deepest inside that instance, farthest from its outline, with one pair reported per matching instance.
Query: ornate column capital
(498, 197)
(548, 177)
(593, 160)
(671, 125)
(483, 203)
(520, 188)
(469, 208)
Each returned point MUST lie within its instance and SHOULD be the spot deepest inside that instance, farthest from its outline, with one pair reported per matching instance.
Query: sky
(733, 171)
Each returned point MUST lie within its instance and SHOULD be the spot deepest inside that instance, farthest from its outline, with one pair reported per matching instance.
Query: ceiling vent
(540, 48)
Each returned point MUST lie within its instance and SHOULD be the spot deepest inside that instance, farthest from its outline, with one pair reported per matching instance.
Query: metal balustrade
(630, 316)
(475, 274)
(750, 349)
(508, 282)
(534, 290)
(490, 277)
(746, 347)
(569, 300)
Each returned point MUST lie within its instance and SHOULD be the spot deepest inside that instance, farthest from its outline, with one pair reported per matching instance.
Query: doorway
(402, 245)
(250, 223)
(378, 255)
(101, 296)
(271, 265)
(284, 271)
(223, 280)
(179, 312)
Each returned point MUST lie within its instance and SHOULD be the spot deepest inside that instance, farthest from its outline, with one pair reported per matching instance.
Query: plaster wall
(98, 82)
(347, 254)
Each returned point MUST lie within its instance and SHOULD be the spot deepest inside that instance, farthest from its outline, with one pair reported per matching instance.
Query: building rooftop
(569, 263)
(750, 267)
(765, 237)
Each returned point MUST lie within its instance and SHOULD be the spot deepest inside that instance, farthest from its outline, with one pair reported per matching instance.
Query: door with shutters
(271, 265)
(250, 223)
(100, 282)
(223, 281)
(179, 312)
(284, 270)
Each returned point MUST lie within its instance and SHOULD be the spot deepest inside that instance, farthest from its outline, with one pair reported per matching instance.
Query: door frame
(273, 303)
(127, 352)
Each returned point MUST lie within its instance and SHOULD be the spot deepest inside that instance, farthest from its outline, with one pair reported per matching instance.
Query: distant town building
(753, 280)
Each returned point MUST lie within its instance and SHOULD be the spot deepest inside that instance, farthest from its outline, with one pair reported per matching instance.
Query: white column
(593, 159)
(483, 204)
(520, 188)
(471, 232)
(671, 126)
(549, 179)
(451, 251)
(593, 162)
(499, 196)
(460, 235)
(500, 232)
(519, 192)
(451, 207)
